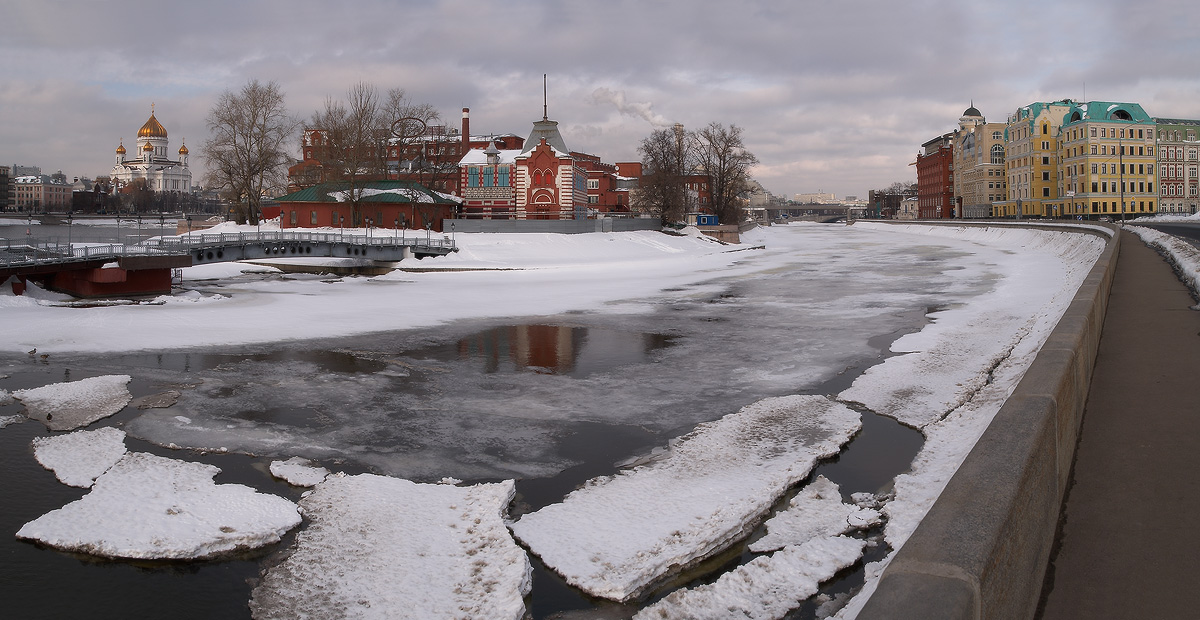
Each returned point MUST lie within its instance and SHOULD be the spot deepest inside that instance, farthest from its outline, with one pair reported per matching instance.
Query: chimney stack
(466, 131)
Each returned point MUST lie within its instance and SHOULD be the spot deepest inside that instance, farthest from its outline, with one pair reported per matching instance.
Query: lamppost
(368, 231)
(396, 222)
(70, 216)
(139, 233)
(451, 233)
(189, 221)
(341, 227)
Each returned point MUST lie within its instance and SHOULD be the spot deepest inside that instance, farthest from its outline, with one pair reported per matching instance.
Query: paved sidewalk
(1128, 547)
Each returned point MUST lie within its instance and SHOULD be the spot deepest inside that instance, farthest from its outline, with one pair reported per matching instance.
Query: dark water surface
(549, 402)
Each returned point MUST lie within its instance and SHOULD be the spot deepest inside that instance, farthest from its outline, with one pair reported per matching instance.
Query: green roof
(1107, 111)
(372, 191)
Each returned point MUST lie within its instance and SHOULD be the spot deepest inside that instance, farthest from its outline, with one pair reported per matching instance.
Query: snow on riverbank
(150, 507)
(958, 371)
(616, 536)
(380, 547)
(522, 274)
(75, 404)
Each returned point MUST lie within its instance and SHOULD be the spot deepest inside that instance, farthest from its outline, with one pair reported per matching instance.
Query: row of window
(1171, 153)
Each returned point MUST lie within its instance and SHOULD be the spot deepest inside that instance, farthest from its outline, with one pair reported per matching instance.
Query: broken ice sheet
(75, 404)
(816, 511)
(299, 471)
(151, 507)
(765, 588)
(380, 547)
(78, 458)
(617, 536)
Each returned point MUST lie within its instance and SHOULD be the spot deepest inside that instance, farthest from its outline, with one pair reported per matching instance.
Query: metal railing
(32, 252)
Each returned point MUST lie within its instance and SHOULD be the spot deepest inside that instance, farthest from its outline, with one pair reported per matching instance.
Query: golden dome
(183, 149)
(121, 149)
(152, 129)
(149, 147)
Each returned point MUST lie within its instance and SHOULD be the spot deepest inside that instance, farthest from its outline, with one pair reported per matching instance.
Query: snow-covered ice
(957, 373)
(379, 547)
(764, 588)
(616, 536)
(817, 510)
(151, 507)
(75, 404)
(809, 549)
(299, 471)
(78, 458)
(5, 420)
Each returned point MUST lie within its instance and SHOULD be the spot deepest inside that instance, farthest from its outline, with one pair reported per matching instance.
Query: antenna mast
(545, 114)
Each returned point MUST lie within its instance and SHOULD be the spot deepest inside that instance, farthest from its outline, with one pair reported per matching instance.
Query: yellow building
(1031, 160)
(1108, 161)
(979, 178)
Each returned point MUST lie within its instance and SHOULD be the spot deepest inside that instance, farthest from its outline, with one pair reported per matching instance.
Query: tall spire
(545, 113)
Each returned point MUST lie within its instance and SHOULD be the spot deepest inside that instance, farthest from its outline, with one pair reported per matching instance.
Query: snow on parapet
(78, 458)
(298, 471)
(617, 536)
(75, 404)
(151, 507)
(380, 547)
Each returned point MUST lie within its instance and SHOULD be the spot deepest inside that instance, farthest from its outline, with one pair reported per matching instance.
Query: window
(593, 184)
(312, 219)
(998, 154)
(472, 176)
(1093, 132)
(593, 199)
(486, 173)
(1094, 168)
(503, 177)
(292, 217)
(996, 135)
(1045, 129)
(334, 219)
(1093, 147)
(1045, 161)
(1045, 192)
(1045, 176)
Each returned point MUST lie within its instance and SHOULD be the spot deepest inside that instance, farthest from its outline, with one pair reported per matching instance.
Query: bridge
(144, 268)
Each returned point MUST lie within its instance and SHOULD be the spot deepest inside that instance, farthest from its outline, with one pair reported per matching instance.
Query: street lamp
(70, 216)
(396, 222)
(189, 221)
(341, 227)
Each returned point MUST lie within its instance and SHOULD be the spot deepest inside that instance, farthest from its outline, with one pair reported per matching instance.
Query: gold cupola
(152, 128)
(121, 148)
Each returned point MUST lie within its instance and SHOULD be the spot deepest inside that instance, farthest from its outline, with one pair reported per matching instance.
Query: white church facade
(150, 161)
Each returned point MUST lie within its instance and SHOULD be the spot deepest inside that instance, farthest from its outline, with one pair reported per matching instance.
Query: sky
(835, 97)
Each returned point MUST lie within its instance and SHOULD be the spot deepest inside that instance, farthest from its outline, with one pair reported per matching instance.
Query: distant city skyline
(833, 97)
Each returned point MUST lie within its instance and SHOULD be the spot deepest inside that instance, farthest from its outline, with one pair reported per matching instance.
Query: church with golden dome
(150, 161)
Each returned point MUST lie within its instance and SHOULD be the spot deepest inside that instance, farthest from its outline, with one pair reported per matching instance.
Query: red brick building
(386, 204)
(431, 160)
(935, 178)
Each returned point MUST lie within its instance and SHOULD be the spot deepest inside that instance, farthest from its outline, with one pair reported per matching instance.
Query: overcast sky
(834, 96)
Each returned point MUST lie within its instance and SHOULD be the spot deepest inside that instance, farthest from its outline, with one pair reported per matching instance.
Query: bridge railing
(404, 238)
(30, 251)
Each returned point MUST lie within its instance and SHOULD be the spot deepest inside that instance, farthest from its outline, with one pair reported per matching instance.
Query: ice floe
(151, 507)
(616, 536)
(75, 404)
(379, 547)
(299, 471)
(765, 588)
(78, 458)
(816, 511)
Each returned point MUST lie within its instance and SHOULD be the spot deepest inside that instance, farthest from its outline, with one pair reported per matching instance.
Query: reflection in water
(551, 349)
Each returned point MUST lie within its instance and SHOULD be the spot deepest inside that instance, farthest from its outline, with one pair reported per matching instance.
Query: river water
(549, 401)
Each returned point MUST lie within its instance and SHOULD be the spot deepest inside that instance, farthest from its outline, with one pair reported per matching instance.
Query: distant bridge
(77, 268)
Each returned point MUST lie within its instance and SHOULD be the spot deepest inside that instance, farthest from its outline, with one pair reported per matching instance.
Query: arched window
(996, 135)
(998, 154)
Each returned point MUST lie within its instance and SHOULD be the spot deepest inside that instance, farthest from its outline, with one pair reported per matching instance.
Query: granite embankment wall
(983, 548)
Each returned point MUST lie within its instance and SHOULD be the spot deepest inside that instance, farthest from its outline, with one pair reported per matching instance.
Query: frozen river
(549, 400)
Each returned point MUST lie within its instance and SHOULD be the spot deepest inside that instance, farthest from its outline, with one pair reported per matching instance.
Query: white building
(150, 162)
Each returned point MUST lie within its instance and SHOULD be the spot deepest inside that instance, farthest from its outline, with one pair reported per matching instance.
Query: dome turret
(121, 148)
(152, 128)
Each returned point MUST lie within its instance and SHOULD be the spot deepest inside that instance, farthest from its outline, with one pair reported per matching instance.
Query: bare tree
(668, 155)
(421, 157)
(247, 150)
(351, 143)
(724, 158)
